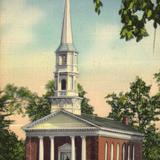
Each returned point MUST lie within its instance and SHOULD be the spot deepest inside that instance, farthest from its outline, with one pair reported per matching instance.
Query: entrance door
(65, 156)
(64, 152)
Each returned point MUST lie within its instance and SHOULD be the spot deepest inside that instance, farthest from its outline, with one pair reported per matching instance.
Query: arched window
(106, 151)
(63, 84)
(129, 152)
(124, 152)
(117, 152)
(111, 151)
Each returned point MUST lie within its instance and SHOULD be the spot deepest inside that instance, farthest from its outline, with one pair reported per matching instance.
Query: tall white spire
(66, 74)
(66, 37)
(66, 44)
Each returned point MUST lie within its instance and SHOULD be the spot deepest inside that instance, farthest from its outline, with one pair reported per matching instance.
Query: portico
(59, 129)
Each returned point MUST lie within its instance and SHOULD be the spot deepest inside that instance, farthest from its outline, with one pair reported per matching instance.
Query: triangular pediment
(59, 120)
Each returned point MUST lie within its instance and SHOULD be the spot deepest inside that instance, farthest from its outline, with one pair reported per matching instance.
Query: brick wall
(103, 140)
(92, 148)
(47, 147)
(32, 148)
(95, 147)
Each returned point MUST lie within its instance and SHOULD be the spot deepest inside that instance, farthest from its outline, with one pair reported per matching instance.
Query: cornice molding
(81, 133)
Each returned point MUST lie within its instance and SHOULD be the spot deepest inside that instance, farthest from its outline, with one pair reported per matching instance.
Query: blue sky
(30, 31)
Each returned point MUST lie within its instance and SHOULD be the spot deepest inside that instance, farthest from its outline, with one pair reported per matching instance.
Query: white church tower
(66, 74)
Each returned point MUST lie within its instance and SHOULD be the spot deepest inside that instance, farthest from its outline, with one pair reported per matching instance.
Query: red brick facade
(32, 148)
(95, 147)
(101, 148)
(92, 148)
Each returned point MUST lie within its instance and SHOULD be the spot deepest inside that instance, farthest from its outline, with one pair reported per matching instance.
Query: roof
(69, 47)
(91, 121)
(107, 123)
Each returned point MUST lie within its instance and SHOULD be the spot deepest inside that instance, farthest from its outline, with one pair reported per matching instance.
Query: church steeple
(66, 74)
(66, 43)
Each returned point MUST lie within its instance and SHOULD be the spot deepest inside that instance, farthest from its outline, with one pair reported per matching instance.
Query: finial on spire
(66, 35)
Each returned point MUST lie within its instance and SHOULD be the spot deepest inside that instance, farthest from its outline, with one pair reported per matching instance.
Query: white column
(83, 148)
(73, 148)
(41, 149)
(68, 84)
(52, 148)
(58, 84)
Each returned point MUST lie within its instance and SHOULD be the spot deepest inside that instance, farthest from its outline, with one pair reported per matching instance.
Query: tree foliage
(143, 110)
(15, 98)
(86, 108)
(151, 144)
(157, 77)
(39, 107)
(22, 100)
(135, 14)
(10, 147)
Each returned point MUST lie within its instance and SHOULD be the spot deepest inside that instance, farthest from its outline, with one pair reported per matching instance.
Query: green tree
(49, 88)
(86, 108)
(15, 98)
(143, 110)
(10, 147)
(157, 77)
(135, 14)
(151, 144)
(40, 106)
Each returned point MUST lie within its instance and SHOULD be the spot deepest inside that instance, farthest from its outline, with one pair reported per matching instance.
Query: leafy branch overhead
(135, 14)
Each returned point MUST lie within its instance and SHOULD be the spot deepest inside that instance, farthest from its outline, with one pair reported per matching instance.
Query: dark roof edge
(67, 47)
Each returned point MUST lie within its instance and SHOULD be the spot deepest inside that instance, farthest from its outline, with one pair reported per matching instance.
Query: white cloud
(17, 21)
